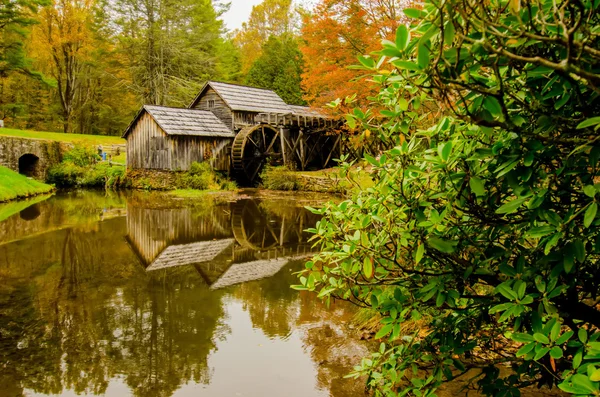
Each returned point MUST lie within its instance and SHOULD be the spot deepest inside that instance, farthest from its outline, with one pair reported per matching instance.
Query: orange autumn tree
(334, 34)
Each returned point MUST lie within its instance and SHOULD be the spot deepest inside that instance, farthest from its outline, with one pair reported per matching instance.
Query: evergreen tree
(279, 68)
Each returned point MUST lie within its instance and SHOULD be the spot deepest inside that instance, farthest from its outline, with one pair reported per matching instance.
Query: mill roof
(188, 254)
(183, 121)
(246, 99)
(249, 271)
(306, 111)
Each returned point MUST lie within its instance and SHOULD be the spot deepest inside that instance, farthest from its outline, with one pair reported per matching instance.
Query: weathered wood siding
(187, 149)
(241, 119)
(220, 109)
(148, 147)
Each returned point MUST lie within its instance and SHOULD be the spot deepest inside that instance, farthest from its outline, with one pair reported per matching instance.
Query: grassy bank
(62, 137)
(14, 186)
(323, 181)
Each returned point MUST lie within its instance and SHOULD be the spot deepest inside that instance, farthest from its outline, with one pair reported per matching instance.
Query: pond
(137, 294)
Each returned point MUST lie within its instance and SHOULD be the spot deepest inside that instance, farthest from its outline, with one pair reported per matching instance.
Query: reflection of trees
(334, 347)
(169, 324)
(29, 355)
(96, 313)
(271, 303)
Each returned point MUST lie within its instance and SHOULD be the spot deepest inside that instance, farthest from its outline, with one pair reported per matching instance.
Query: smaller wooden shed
(165, 138)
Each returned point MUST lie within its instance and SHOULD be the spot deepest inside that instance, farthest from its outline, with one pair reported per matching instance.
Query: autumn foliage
(334, 34)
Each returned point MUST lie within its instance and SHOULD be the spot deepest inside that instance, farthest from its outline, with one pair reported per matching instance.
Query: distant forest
(86, 66)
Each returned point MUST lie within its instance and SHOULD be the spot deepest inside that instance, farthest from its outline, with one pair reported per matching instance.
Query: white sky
(239, 11)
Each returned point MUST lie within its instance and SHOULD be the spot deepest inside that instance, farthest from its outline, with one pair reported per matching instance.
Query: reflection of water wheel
(253, 227)
(253, 148)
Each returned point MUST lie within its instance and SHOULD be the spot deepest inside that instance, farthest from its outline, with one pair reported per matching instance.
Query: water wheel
(253, 227)
(253, 148)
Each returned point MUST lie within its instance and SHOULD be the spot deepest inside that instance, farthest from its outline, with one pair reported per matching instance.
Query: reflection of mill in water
(227, 244)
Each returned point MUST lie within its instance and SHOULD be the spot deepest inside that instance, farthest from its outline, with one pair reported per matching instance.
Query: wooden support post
(338, 140)
(282, 138)
(301, 152)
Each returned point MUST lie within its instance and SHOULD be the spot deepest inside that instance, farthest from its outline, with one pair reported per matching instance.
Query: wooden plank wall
(242, 119)
(221, 110)
(148, 147)
(187, 149)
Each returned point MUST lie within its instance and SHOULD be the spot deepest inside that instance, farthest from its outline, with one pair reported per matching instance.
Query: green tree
(15, 19)
(171, 46)
(482, 224)
(279, 68)
(269, 18)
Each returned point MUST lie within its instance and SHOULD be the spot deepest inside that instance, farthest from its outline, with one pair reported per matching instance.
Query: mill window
(211, 104)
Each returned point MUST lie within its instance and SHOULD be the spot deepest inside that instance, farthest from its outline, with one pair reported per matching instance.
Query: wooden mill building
(236, 128)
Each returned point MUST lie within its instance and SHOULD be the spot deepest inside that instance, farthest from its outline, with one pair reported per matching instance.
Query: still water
(142, 295)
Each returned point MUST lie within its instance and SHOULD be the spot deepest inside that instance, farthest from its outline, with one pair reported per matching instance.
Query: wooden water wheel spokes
(253, 227)
(253, 148)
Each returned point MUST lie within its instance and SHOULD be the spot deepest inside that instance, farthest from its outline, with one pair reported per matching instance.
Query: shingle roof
(247, 99)
(243, 272)
(188, 254)
(306, 111)
(183, 121)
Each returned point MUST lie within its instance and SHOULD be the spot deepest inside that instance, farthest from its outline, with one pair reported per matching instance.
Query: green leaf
(595, 376)
(582, 335)
(444, 246)
(420, 252)
(590, 214)
(556, 352)
(583, 382)
(541, 353)
(564, 337)
(441, 298)
(511, 206)
(400, 64)
(423, 55)
(445, 150)
(577, 359)
(541, 338)
(351, 121)
(540, 231)
(506, 291)
(590, 191)
(477, 186)
(523, 338)
(372, 160)
(413, 13)
(589, 122)
(368, 267)
(492, 105)
(386, 329)
(402, 37)
(555, 331)
(524, 350)
(449, 33)
(367, 62)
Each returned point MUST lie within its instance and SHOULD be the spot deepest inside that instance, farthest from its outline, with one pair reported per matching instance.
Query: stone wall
(36, 155)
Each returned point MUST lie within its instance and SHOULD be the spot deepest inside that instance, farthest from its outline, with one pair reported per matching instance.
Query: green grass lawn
(14, 185)
(62, 137)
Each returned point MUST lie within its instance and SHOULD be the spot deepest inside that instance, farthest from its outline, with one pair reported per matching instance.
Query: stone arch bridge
(30, 157)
